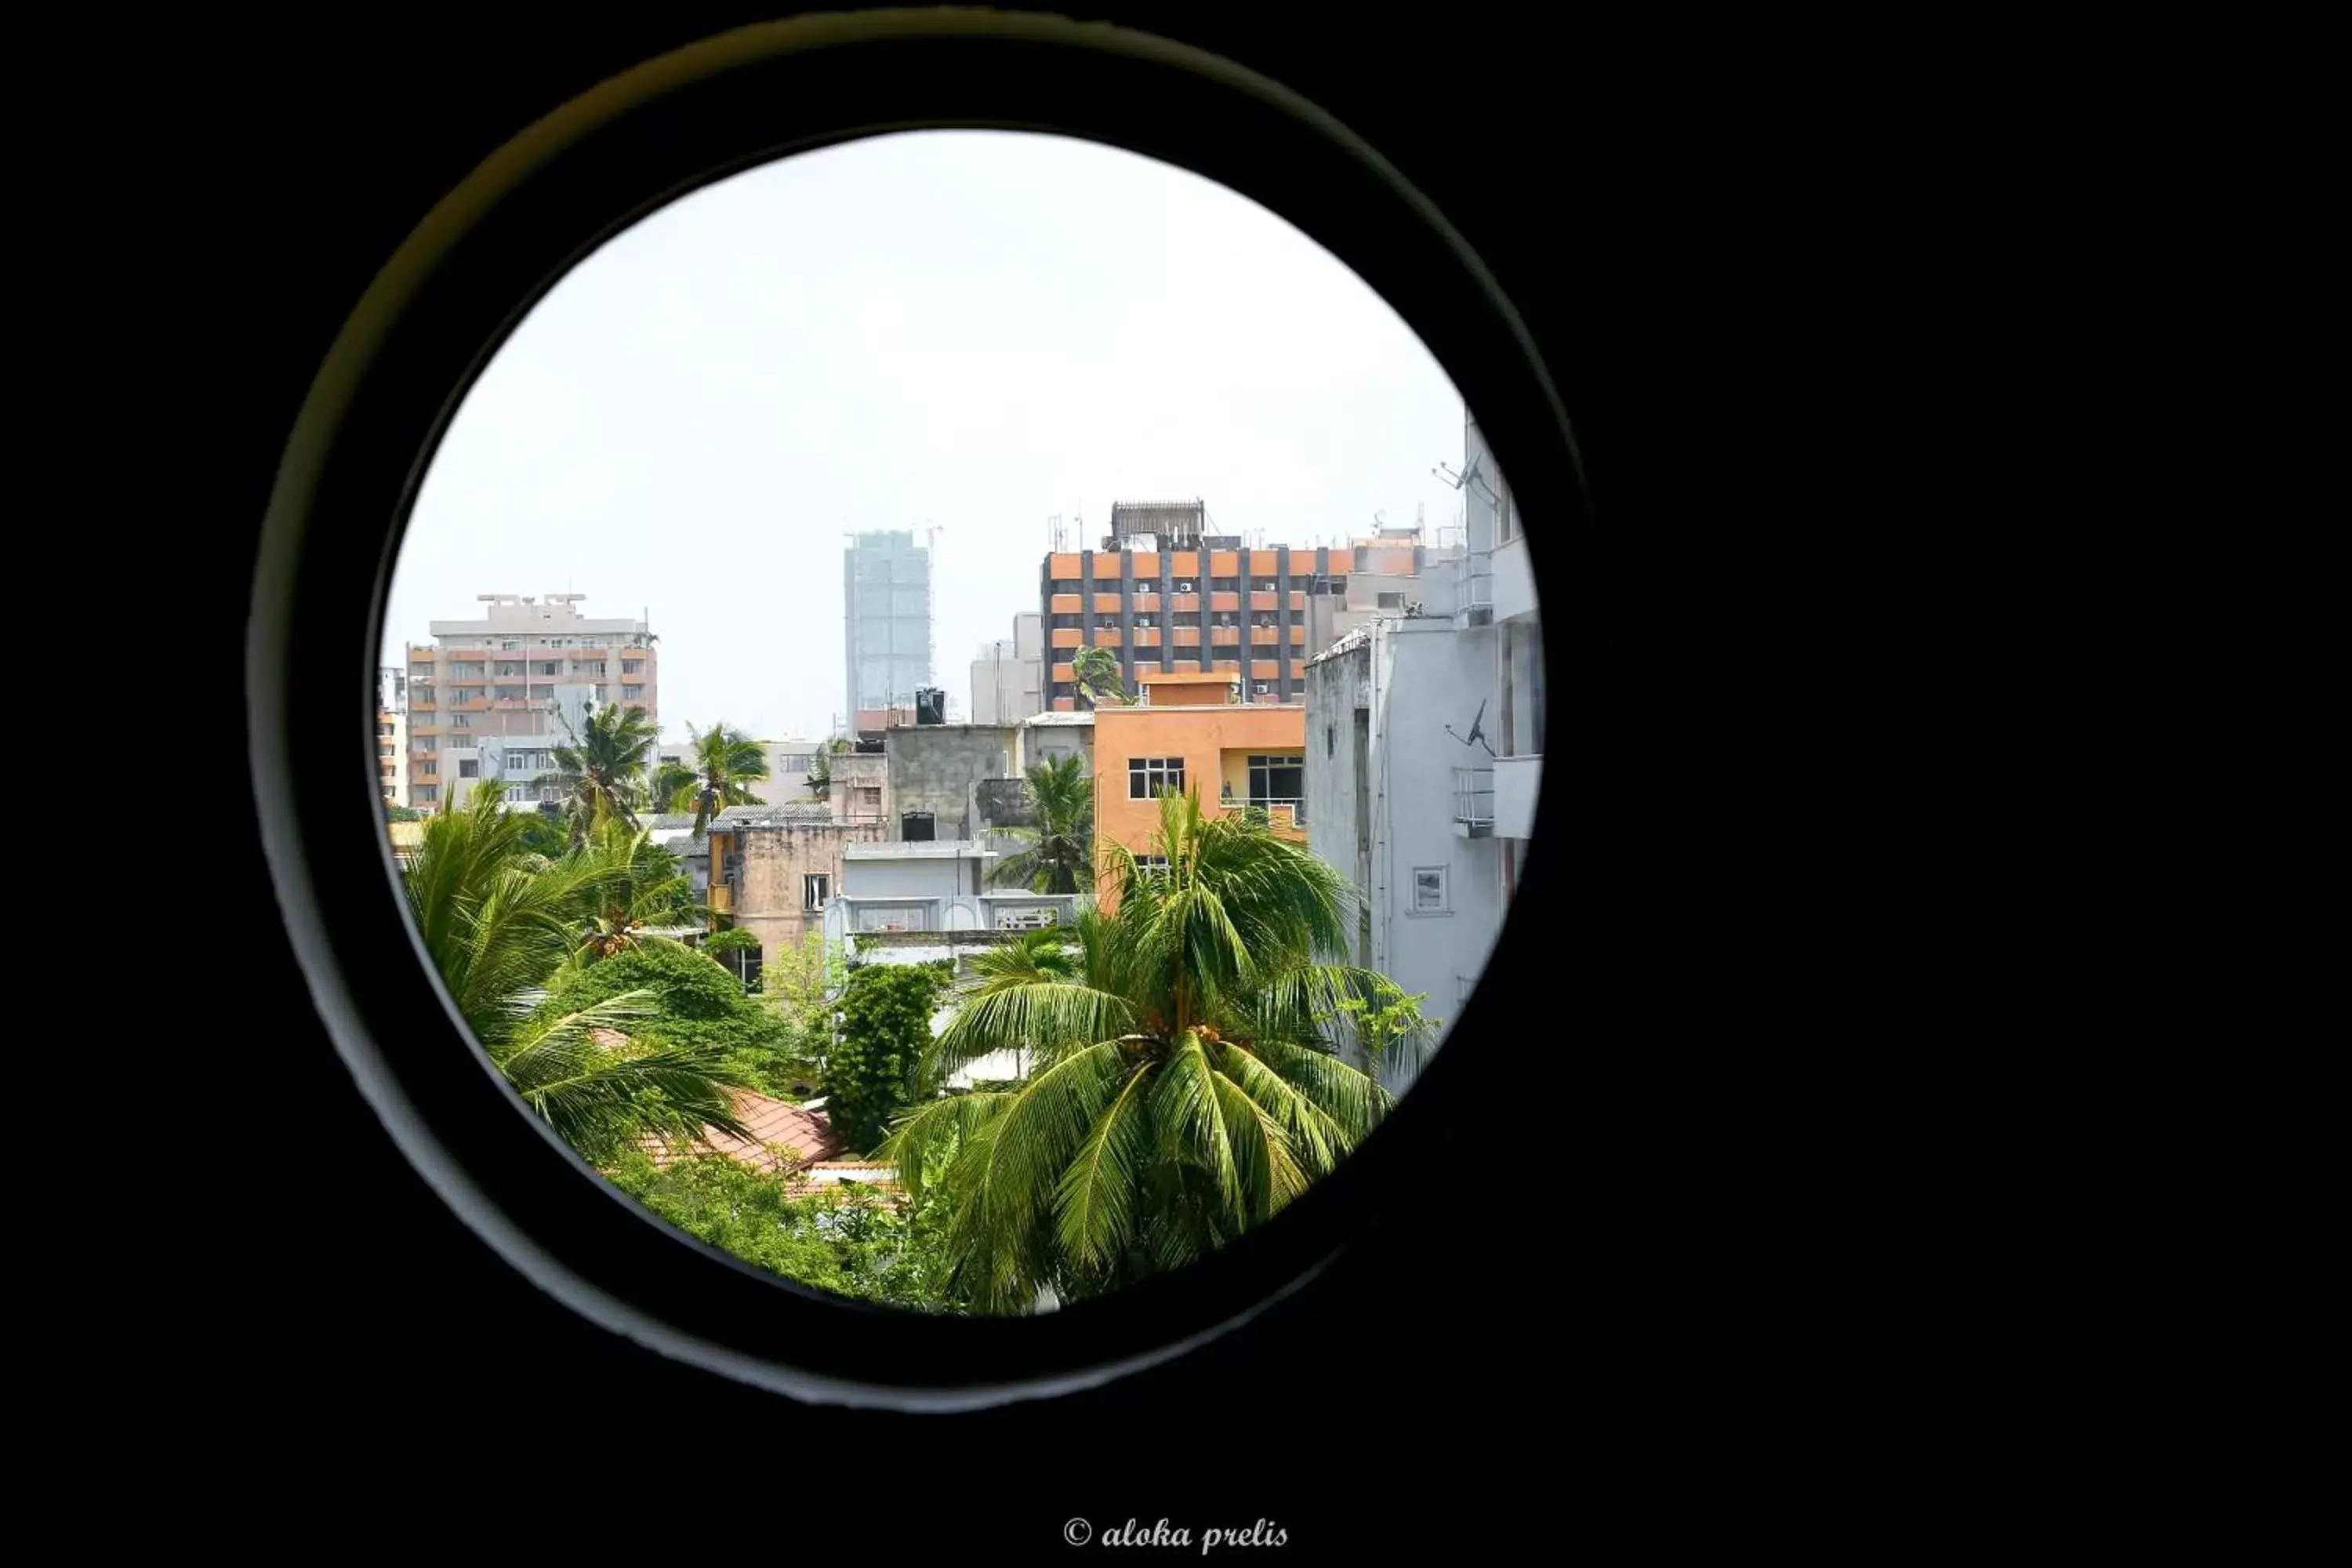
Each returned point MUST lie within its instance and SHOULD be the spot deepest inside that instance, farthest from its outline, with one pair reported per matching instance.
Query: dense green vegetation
(885, 1034)
(1185, 1062)
(1186, 1078)
(857, 1244)
(697, 1005)
(500, 922)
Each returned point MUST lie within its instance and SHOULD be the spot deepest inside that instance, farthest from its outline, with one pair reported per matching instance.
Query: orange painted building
(1189, 734)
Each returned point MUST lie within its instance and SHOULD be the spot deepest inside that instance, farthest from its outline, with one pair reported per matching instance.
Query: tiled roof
(784, 1138)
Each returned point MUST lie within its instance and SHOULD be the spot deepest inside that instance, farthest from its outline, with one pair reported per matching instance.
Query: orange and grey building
(1167, 595)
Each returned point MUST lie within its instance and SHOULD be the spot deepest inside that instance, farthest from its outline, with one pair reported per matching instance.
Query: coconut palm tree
(498, 922)
(1061, 854)
(1187, 1079)
(1096, 670)
(602, 769)
(632, 884)
(726, 764)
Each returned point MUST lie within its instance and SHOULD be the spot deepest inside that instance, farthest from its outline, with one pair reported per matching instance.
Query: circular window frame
(374, 416)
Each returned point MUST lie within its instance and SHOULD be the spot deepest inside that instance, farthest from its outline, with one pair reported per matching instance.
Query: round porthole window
(953, 704)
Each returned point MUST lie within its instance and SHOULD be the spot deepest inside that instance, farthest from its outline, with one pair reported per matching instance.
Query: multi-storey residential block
(489, 699)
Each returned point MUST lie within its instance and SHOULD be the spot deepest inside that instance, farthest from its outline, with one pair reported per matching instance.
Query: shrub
(861, 1246)
(885, 1023)
(700, 1003)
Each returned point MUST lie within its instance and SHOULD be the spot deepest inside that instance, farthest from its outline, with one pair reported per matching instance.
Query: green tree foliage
(402, 814)
(637, 889)
(697, 1004)
(1096, 670)
(885, 1035)
(499, 924)
(859, 1246)
(1186, 1076)
(603, 768)
(1061, 848)
(727, 762)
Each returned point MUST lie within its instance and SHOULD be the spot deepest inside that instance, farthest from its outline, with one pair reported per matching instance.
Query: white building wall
(1380, 783)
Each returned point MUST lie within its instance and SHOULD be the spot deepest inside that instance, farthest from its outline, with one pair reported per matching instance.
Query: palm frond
(1191, 1125)
(1049, 1019)
(1095, 1205)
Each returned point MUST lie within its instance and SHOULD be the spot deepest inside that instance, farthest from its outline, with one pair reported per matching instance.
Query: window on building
(1033, 918)
(1265, 585)
(628, 667)
(510, 642)
(424, 794)
(1069, 689)
(1151, 864)
(507, 693)
(470, 769)
(461, 721)
(1066, 584)
(1145, 623)
(1330, 740)
(1390, 602)
(1224, 585)
(1429, 891)
(1335, 587)
(548, 666)
(1187, 586)
(1277, 780)
(816, 890)
(1147, 776)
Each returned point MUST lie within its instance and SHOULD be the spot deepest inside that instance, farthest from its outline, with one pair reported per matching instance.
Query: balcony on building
(1474, 801)
(1518, 782)
(1514, 591)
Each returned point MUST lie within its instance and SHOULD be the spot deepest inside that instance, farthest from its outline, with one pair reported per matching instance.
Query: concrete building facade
(392, 756)
(1192, 736)
(488, 699)
(1426, 737)
(776, 870)
(1167, 594)
(1008, 678)
(937, 770)
(885, 591)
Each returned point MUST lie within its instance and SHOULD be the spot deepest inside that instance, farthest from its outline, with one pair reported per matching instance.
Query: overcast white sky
(975, 330)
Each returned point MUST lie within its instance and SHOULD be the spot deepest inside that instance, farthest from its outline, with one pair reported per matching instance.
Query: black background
(1597, 1325)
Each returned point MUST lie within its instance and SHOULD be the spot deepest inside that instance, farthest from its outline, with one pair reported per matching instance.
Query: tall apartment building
(1425, 739)
(1008, 678)
(488, 699)
(392, 735)
(886, 599)
(1167, 595)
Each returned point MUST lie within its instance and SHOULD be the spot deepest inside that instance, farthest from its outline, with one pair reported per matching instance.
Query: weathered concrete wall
(771, 890)
(933, 768)
(861, 786)
(926, 877)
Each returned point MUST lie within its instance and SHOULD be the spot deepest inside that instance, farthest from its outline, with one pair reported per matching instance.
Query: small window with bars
(1147, 776)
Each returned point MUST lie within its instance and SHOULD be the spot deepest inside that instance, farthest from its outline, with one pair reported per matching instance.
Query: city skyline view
(967, 331)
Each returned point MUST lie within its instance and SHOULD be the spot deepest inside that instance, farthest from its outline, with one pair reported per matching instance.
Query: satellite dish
(1478, 735)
